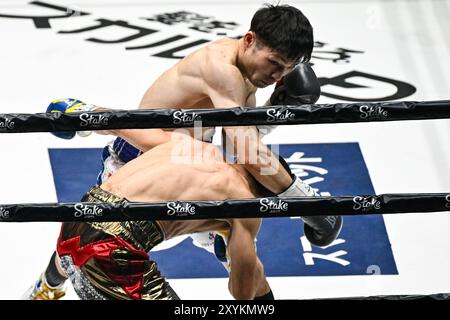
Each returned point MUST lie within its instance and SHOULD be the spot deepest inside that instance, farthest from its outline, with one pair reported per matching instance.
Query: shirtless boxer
(226, 73)
(109, 260)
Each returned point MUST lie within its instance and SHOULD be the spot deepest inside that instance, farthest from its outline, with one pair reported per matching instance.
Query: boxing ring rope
(238, 116)
(253, 208)
(270, 207)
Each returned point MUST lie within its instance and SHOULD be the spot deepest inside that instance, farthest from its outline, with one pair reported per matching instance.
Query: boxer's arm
(143, 139)
(262, 287)
(244, 278)
(251, 100)
(257, 158)
(226, 89)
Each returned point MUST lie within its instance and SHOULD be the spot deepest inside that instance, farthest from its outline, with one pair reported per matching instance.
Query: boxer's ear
(249, 39)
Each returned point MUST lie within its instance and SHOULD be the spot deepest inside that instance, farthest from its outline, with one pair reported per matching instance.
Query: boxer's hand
(66, 106)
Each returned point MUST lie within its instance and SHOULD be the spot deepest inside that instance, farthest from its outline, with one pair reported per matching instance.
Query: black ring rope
(238, 116)
(242, 208)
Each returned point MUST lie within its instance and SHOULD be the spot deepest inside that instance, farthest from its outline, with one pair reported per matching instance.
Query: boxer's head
(278, 39)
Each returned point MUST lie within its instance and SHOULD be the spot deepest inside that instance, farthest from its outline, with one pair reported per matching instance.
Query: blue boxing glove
(66, 106)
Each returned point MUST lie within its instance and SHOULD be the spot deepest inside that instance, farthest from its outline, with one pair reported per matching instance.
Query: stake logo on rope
(269, 205)
(90, 119)
(88, 211)
(276, 115)
(180, 209)
(4, 214)
(7, 124)
(185, 117)
(372, 112)
(366, 203)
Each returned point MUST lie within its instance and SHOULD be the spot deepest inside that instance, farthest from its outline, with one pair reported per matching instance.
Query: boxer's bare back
(182, 169)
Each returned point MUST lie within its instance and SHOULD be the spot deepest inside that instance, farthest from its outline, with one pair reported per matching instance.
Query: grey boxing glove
(319, 230)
